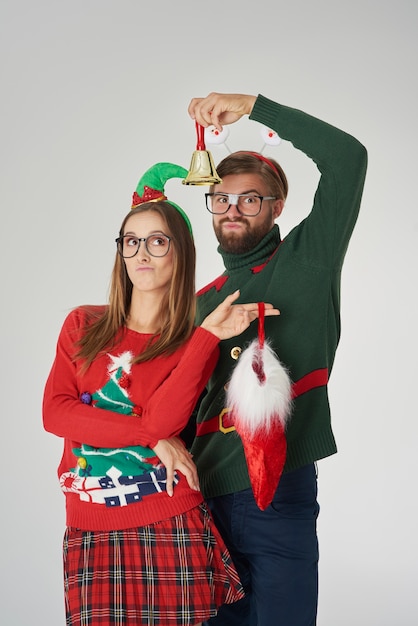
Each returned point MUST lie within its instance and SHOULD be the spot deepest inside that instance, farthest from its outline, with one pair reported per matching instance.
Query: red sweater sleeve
(170, 406)
(165, 414)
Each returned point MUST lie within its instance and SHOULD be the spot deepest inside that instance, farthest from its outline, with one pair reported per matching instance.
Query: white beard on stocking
(259, 391)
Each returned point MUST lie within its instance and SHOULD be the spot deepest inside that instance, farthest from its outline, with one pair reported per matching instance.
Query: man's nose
(233, 210)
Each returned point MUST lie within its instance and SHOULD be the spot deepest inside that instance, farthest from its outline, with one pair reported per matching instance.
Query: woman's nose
(142, 254)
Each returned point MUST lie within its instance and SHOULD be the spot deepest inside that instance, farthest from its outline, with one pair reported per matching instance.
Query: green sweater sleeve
(342, 162)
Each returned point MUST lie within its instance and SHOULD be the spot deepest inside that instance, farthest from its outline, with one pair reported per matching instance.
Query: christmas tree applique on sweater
(115, 476)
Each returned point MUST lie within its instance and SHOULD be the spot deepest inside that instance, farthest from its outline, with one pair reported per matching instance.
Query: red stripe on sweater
(218, 283)
(316, 378)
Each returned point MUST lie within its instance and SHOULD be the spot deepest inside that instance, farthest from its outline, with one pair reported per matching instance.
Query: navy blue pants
(275, 552)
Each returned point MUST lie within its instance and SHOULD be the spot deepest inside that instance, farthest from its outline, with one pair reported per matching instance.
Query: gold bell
(202, 168)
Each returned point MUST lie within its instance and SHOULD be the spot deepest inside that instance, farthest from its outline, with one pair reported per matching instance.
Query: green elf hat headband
(151, 186)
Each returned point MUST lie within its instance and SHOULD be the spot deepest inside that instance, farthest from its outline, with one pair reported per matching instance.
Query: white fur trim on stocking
(255, 401)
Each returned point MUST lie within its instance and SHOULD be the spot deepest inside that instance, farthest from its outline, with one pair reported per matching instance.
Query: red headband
(260, 157)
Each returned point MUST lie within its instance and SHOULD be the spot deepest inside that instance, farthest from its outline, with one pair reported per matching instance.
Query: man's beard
(243, 241)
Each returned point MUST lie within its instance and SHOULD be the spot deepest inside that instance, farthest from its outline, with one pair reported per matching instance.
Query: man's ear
(278, 207)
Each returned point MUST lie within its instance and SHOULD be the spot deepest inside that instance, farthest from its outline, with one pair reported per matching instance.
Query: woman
(140, 546)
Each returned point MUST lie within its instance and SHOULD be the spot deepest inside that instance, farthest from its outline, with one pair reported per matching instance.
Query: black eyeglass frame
(238, 195)
(120, 239)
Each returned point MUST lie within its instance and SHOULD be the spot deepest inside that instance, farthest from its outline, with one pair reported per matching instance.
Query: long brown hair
(178, 306)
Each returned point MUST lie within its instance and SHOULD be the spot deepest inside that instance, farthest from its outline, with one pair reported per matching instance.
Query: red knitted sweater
(108, 472)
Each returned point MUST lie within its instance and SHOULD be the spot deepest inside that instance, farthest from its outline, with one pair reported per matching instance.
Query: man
(275, 549)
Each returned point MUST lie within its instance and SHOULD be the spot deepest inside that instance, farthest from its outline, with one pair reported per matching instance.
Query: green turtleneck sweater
(300, 275)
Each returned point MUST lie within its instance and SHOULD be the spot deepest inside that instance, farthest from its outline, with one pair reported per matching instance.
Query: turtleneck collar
(256, 256)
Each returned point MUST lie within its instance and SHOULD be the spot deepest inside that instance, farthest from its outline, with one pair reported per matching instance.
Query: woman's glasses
(156, 245)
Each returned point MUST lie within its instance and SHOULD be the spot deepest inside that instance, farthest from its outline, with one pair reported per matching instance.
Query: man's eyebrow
(242, 193)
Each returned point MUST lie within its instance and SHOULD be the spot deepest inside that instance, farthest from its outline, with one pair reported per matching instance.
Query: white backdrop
(93, 92)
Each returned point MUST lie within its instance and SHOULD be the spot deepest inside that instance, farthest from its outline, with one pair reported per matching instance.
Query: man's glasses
(248, 205)
(155, 245)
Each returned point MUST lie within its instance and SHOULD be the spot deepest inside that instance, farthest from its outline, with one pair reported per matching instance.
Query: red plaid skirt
(175, 572)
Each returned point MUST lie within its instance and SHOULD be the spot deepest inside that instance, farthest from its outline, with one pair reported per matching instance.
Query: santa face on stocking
(259, 397)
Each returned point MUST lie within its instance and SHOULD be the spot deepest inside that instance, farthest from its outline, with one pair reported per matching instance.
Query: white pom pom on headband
(269, 136)
(217, 137)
